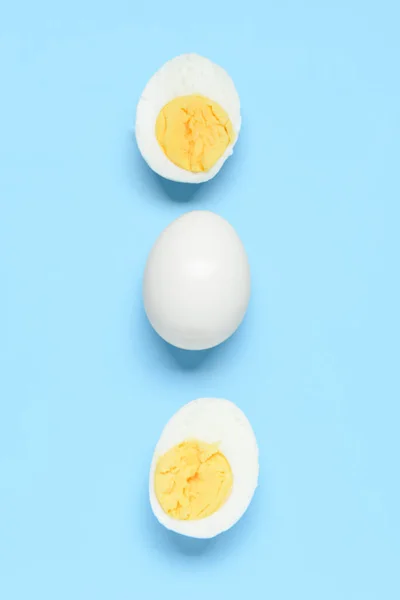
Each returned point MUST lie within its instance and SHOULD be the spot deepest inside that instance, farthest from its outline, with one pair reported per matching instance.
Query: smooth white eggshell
(196, 285)
(184, 75)
(212, 420)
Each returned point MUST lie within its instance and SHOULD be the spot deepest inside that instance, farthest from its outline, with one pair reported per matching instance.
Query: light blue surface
(86, 387)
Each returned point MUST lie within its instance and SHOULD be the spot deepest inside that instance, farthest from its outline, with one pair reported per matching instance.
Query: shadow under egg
(180, 193)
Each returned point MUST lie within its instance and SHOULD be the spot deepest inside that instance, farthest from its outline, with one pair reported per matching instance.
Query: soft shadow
(140, 173)
(160, 351)
(177, 192)
(187, 359)
(175, 546)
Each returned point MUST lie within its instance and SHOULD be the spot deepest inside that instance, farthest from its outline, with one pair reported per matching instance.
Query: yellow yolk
(194, 132)
(192, 480)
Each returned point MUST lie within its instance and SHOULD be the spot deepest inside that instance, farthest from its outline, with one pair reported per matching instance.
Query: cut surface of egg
(204, 470)
(188, 119)
(196, 284)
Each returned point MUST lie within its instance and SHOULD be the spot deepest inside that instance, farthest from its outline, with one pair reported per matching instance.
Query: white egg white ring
(212, 420)
(184, 75)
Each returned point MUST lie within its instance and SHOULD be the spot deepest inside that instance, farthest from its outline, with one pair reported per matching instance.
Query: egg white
(197, 281)
(212, 420)
(184, 75)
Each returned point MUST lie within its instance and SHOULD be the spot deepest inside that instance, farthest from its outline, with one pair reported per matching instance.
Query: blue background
(86, 386)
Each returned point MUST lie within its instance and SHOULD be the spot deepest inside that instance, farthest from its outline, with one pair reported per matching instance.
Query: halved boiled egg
(188, 119)
(205, 469)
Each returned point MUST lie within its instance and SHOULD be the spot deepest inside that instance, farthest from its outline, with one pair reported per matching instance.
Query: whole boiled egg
(204, 470)
(196, 284)
(188, 119)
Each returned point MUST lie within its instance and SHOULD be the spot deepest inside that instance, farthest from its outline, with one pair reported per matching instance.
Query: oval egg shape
(188, 119)
(219, 424)
(196, 285)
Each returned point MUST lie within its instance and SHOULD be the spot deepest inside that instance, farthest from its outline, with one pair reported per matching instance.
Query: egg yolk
(192, 480)
(194, 132)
